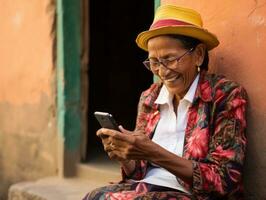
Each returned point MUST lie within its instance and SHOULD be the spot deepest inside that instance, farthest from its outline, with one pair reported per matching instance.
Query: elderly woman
(189, 141)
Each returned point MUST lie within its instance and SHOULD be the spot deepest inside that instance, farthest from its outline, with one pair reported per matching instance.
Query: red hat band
(169, 22)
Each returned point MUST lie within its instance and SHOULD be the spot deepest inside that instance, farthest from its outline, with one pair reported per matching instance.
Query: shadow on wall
(3, 183)
(255, 166)
(1, 171)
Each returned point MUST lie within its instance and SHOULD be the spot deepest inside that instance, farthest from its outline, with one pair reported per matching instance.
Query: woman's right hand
(127, 145)
(127, 165)
(111, 145)
(106, 140)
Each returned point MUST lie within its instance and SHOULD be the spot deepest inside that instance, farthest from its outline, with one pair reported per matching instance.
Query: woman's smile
(171, 79)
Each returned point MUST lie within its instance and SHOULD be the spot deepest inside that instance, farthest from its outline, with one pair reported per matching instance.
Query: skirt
(136, 191)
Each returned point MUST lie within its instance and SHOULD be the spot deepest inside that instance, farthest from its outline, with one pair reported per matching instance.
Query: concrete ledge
(52, 188)
(88, 177)
(103, 172)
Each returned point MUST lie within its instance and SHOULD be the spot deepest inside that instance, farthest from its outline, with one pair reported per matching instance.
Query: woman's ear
(200, 53)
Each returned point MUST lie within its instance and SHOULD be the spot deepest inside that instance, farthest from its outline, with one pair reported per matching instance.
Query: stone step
(52, 188)
(89, 177)
(104, 172)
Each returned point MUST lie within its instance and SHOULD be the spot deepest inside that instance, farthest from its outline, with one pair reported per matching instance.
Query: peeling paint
(257, 20)
(258, 39)
(68, 73)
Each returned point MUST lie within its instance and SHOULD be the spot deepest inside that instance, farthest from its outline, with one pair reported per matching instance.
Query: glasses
(169, 63)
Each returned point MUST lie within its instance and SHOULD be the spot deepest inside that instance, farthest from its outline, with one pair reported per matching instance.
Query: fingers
(121, 128)
(116, 155)
(111, 155)
(104, 132)
(107, 137)
(123, 145)
(111, 145)
(108, 147)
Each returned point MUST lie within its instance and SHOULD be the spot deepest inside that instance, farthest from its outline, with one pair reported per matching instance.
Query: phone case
(106, 120)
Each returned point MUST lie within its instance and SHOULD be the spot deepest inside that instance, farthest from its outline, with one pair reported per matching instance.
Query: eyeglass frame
(146, 62)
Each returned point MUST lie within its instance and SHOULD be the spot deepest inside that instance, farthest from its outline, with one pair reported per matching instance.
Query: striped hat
(171, 20)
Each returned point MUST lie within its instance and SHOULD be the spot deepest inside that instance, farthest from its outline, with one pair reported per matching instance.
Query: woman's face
(185, 70)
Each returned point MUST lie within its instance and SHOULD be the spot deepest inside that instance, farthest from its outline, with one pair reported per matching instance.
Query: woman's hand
(125, 145)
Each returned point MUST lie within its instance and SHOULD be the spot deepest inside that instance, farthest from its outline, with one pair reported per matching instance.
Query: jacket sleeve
(220, 172)
(140, 165)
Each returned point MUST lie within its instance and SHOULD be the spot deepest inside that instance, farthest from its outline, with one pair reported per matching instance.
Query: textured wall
(241, 29)
(27, 100)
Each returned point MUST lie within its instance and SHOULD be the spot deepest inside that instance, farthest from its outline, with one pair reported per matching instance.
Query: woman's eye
(153, 62)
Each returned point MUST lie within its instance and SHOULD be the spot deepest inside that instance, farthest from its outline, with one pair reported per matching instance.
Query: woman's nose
(162, 70)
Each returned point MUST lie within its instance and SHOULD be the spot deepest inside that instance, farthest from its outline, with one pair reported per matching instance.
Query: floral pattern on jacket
(214, 138)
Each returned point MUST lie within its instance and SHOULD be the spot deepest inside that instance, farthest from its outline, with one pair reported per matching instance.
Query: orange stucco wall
(26, 56)
(27, 100)
(241, 29)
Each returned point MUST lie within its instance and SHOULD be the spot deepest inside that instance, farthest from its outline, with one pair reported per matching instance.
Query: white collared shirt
(170, 134)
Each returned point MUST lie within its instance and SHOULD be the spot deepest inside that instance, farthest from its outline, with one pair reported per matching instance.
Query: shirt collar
(165, 97)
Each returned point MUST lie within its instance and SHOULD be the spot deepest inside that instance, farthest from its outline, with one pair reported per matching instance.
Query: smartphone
(106, 120)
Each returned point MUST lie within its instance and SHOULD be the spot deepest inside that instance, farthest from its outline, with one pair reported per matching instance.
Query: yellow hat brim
(201, 34)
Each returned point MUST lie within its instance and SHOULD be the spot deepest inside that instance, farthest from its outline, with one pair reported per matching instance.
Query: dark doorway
(116, 74)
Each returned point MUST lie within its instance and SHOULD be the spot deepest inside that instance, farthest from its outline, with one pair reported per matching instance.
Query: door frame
(68, 80)
(72, 50)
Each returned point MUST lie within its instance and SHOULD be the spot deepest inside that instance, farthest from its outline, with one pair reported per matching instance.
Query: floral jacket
(214, 138)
